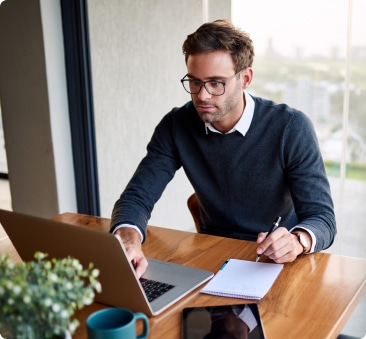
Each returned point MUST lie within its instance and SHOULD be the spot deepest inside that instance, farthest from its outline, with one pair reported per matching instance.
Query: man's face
(225, 110)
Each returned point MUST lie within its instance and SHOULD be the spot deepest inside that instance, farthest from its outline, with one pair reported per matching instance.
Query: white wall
(137, 62)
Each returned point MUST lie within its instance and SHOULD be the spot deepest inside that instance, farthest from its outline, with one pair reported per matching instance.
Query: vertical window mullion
(345, 123)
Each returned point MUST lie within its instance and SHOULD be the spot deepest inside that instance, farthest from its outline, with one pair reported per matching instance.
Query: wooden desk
(313, 297)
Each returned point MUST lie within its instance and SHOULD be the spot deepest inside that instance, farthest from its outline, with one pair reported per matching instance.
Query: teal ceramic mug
(116, 323)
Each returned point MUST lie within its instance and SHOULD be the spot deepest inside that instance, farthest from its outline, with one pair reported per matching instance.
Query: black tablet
(222, 322)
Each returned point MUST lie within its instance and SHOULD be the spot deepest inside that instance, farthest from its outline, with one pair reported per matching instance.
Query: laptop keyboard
(154, 289)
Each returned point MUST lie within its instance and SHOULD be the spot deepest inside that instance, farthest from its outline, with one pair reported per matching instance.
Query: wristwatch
(302, 240)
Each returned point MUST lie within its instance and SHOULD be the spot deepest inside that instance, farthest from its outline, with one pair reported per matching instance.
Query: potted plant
(39, 298)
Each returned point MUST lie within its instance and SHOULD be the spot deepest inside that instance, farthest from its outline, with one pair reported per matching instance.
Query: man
(248, 159)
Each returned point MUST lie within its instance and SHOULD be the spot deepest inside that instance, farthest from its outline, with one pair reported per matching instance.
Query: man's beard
(220, 111)
(210, 117)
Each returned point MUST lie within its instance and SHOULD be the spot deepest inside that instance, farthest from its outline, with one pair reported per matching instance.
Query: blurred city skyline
(306, 28)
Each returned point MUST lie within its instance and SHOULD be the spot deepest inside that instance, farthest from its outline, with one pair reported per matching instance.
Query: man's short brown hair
(221, 35)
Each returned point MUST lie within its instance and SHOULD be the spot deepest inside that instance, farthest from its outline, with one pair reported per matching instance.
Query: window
(312, 56)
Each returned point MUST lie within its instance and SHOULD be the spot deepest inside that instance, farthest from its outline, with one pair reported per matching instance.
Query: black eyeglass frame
(203, 84)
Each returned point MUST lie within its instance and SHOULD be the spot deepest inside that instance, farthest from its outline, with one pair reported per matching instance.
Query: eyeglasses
(213, 87)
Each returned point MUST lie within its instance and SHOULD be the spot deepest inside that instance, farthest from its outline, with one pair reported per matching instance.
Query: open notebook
(243, 279)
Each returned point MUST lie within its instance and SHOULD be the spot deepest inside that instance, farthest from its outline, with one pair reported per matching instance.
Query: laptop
(120, 286)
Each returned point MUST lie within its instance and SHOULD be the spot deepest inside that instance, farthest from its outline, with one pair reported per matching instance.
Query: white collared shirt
(245, 120)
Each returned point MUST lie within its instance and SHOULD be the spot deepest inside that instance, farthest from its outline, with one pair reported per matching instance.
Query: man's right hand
(132, 241)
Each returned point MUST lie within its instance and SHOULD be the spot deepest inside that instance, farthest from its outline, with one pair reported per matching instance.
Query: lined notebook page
(243, 279)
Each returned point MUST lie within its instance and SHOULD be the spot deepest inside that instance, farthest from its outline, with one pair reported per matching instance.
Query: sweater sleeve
(308, 182)
(146, 186)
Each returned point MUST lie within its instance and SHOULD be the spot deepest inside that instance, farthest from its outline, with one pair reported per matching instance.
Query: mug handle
(145, 321)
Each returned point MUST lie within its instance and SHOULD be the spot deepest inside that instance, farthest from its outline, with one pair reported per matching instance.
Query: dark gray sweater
(242, 182)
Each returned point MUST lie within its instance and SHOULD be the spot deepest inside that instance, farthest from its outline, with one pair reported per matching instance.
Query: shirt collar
(245, 120)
